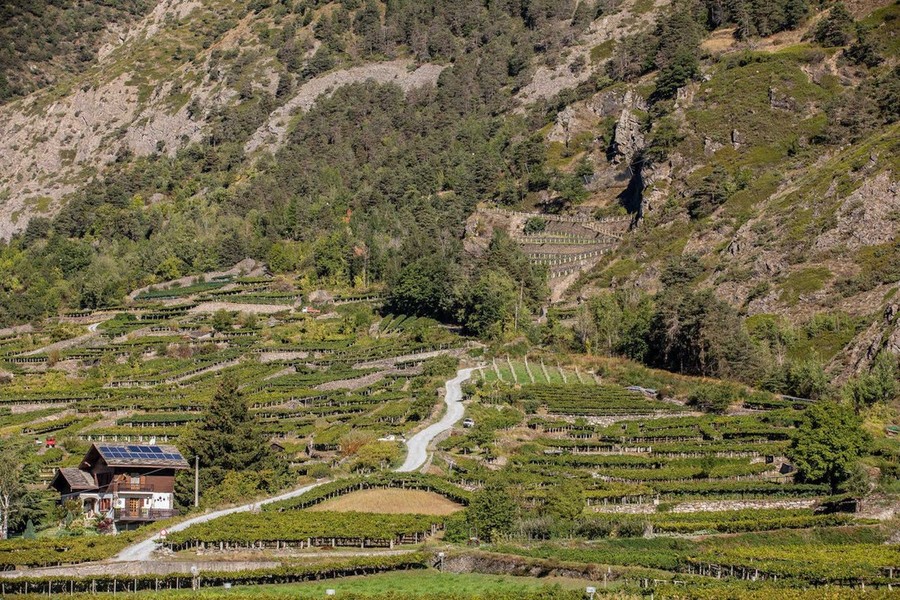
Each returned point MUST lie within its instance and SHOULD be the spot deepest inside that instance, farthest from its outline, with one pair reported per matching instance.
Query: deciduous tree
(12, 488)
(827, 444)
(492, 511)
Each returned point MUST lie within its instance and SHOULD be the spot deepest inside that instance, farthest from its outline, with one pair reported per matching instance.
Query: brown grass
(391, 501)
(719, 41)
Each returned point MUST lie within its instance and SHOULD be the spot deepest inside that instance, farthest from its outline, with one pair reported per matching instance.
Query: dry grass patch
(391, 501)
(719, 41)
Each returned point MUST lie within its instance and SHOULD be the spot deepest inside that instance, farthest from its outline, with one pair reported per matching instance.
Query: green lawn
(413, 583)
(554, 374)
(521, 372)
(505, 374)
(538, 372)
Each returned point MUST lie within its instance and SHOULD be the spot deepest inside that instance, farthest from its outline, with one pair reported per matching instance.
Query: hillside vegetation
(663, 233)
(752, 148)
(44, 40)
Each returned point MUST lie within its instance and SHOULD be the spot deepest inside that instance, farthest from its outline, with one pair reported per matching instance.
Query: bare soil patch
(263, 309)
(390, 501)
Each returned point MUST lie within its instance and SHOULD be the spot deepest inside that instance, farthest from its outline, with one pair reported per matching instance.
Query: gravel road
(418, 454)
(144, 550)
(418, 444)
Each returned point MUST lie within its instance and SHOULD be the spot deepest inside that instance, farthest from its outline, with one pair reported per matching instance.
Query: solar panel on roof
(139, 453)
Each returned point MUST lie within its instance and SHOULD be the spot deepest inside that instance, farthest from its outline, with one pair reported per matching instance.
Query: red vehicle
(50, 442)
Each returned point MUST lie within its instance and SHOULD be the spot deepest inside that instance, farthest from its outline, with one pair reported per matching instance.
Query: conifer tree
(229, 437)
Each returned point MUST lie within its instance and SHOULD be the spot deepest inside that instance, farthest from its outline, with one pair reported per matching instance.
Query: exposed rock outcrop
(550, 80)
(628, 140)
(271, 135)
(866, 217)
(883, 334)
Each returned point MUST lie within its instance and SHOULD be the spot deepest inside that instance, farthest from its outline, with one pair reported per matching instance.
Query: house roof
(76, 478)
(137, 455)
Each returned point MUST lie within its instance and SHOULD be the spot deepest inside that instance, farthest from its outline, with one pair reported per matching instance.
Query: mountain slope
(352, 140)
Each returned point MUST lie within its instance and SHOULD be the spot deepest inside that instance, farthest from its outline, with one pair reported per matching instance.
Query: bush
(631, 528)
(715, 398)
(535, 225)
(594, 529)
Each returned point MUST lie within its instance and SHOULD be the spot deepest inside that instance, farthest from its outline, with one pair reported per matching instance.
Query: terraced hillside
(650, 483)
(148, 371)
(630, 450)
(567, 245)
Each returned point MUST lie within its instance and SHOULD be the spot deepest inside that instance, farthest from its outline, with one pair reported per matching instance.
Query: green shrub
(535, 225)
(714, 398)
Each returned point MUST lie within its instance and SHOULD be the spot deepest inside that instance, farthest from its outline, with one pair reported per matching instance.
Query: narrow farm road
(69, 343)
(144, 550)
(418, 444)
(418, 454)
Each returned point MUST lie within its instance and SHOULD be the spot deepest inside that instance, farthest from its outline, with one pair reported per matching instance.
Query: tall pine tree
(229, 437)
(230, 443)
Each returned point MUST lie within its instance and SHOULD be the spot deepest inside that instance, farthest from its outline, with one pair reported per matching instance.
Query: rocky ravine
(53, 141)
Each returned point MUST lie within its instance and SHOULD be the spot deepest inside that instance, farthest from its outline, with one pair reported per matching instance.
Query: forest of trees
(41, 40)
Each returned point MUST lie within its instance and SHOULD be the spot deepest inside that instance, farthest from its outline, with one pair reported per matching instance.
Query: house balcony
(144, 514)
(128, 486)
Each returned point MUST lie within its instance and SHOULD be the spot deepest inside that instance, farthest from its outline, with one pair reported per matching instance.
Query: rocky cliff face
(53, 141)
(628, 141)
(158, 83)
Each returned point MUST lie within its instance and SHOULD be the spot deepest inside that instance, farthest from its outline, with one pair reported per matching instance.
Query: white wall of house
(162, 501)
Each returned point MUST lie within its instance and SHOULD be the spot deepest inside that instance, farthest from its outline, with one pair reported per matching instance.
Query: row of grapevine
(159, 584)
(284, 529)
(412, 481)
